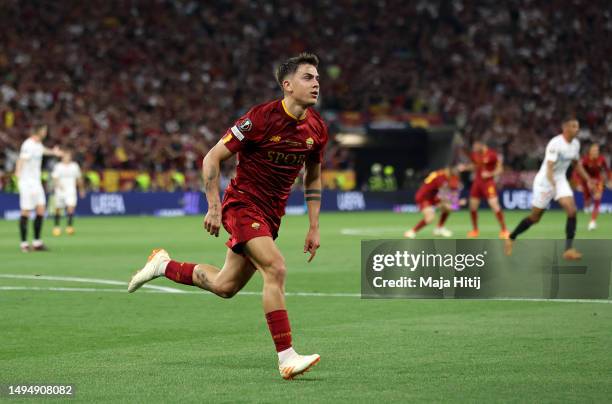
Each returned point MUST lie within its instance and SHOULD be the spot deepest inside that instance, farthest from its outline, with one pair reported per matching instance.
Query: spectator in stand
(155, 83)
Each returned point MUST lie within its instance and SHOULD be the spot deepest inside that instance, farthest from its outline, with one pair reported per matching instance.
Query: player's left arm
(499, 168)
(607, 171)
(312, 194)
(81, 186)
(577, 164)
(55, 151)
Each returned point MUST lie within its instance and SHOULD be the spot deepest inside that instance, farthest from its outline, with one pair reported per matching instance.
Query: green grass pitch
(195, 347)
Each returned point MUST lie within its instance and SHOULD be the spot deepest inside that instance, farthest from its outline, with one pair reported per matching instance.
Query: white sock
(286, 354)
(37, 243)
(25, 244)
(161, 268)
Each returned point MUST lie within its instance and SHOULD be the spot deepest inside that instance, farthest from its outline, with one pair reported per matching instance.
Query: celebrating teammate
(66, 175)
(594, 164)
(551, 183)
(31, 192)
(273, 142)
(435, 191)
(487, 165)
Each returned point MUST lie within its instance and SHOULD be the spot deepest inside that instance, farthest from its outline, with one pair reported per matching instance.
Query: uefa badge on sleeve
(245, 125)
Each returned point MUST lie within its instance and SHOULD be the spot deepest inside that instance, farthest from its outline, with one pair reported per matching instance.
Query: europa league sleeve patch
(245, 125)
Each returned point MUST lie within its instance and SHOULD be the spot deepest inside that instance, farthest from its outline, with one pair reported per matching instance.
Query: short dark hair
(569, 117)
(291, 65)
(37, 127)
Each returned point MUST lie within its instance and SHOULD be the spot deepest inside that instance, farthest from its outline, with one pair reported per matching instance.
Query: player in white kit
(66, 176)
(551, 183)
(31, 192)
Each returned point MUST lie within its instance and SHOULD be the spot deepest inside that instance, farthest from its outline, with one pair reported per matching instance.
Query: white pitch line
(87, 280)
(164, 289)
(57, 289)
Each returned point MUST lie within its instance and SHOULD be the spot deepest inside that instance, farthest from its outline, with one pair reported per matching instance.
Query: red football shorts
(244, 221)
(588, 194)
(483, 189)
(425, 200)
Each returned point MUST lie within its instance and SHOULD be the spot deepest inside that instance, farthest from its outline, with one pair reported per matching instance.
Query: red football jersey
(272, 147)
(485, 161)
(434, 182)
(594, 167)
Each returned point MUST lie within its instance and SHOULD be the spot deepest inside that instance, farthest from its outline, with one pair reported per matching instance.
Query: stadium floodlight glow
(351, 139)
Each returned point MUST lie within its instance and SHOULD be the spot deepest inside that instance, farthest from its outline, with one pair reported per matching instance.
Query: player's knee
(227, 291)
(276, 270)
(571, 211)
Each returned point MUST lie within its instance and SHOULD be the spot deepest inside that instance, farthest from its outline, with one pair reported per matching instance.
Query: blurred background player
(274, 141)
(66, 176)
(551, 183)
(432, 194)
(487, 165)
(31, 192)
(595, 164)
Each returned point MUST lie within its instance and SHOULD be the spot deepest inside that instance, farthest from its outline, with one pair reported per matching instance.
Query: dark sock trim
(23, 228)
(525, 224)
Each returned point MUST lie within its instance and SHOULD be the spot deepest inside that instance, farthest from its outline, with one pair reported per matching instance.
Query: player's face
(304, 85)
(67, 157)
(477, 147)
(594, 151)
(571, 128)
(41, 133)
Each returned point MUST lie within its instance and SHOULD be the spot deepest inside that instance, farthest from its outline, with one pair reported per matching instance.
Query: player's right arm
(551, 156)
(550, 167)
(211, 169)
(18, 167)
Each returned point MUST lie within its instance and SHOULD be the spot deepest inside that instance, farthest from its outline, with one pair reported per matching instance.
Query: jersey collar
(290, 115)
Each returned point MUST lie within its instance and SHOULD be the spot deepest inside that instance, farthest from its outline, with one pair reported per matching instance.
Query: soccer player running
(551, 183)
(436, 191)
(487, 165)
(273, 142)
(31, 192)
(66, 175)
(594, 164)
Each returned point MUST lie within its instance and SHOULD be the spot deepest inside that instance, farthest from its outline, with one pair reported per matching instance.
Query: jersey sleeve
(495, 157)
(577, 150)
(606, 168)
(26, 151)
(248, 129)
(584, 160)
(316, 156)
(552, 151)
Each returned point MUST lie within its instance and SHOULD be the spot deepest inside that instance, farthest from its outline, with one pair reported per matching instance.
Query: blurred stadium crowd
(150, 85)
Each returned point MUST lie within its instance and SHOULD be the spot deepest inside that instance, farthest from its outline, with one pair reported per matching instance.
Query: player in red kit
(487, 165)
(594, 164)
(273, 142)
(435, 191)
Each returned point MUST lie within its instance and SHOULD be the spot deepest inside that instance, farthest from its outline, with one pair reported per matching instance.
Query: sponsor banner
(122, 203)
(480, 269)
(512, 199)
(193, 203)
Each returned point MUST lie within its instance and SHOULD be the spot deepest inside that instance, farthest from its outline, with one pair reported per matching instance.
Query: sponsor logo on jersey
(255, 225)
(309, 142)
(275, 139)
